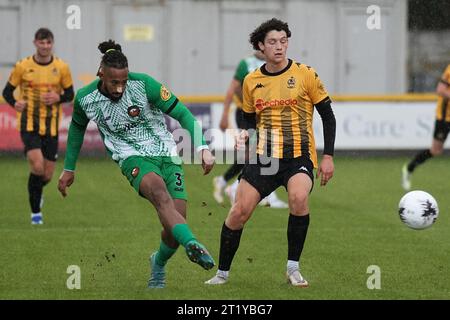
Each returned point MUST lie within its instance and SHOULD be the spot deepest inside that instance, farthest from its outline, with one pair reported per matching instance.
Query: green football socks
(182, 234)
(164, 253)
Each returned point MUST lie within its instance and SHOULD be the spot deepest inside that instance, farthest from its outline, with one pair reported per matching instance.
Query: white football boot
(406, 178)
(275, 202)
(219, 185)
(221, 277)
(296, 279)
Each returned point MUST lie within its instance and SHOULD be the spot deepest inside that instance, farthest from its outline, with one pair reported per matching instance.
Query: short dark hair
(259, 34)
(43, 33)
(112, 55)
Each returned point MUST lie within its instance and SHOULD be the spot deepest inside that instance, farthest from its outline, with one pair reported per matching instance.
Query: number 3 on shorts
(179, 182)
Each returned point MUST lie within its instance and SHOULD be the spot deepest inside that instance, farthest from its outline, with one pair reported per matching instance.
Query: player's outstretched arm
(188, 122)
(234, 88)
(65, 180)
(75, 139)
(241, 140)
(326, 169)
(208, 161)
(162, 98)
(443, 89)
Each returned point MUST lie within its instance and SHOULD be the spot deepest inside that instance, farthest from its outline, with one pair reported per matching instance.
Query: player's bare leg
(49, 169)
(298, 187)
(166, 235)
(247, 199)
(167, 249)
(437, 147)
(154, 189)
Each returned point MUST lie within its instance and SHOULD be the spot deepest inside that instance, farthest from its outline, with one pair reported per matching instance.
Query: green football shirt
(133, 125)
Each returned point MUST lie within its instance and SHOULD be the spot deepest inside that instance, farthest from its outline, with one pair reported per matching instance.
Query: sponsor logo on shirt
(261, 104)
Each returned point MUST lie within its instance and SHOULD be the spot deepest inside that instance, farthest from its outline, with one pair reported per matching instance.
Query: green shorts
(136, 167)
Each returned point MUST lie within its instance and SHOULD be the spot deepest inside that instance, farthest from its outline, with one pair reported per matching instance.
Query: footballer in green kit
(129, 109)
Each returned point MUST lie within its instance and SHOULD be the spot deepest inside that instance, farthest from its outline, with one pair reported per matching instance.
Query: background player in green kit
(129, 109)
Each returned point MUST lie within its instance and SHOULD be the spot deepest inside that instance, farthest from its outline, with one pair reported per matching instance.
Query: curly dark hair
(112, 55)
(259, 34)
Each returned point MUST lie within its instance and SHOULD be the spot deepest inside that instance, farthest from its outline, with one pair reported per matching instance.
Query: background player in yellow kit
(441, 130)
(45, 82)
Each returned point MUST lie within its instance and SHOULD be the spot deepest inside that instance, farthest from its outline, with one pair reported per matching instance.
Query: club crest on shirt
(291, 83)
(55, 71)
(135, 172)
(133, 111)
(165, 93)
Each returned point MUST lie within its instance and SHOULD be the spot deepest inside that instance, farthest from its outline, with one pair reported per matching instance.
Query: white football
(418, 209)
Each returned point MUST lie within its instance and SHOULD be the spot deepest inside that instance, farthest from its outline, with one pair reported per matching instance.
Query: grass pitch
(109, 232)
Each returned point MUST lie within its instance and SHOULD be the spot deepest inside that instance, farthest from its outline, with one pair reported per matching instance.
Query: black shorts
(441, 130)
(47, 144)
(265, 177)
(239, 117)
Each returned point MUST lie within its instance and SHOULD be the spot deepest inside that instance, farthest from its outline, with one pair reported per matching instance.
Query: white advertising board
(362, 126)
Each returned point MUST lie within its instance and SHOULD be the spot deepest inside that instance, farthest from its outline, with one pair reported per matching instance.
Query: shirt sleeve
(329, 125)
(241, 71)
(247, 103)
(315, 87)
(16, 75)
(66, 77)
(8, 94)
(75, 136)
(159, 96)
(162, 98)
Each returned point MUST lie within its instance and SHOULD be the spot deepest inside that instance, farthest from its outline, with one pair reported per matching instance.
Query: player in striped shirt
(279, 101)
(244, 67)
(45, 82)
(441, 130)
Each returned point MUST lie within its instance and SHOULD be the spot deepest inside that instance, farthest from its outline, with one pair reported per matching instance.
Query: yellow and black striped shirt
(284, 106)
(35, 79)
(443, 104)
